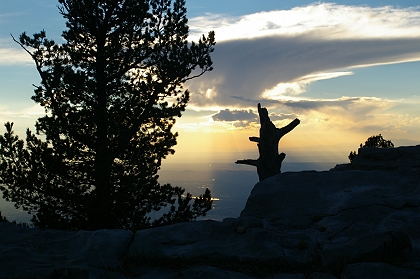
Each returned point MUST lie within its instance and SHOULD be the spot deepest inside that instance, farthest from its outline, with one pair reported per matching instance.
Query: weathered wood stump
(269, 162)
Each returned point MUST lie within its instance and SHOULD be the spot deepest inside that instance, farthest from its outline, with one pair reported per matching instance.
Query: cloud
(282, 116)
(276, 55)
(236, 119)
(33, 111)
(345, 112)
(251, 68)
(352, 114)
(11, 54)
(343, 102)
(231, 119)
(327, 19)
(235, 115)
(348, 109)
(284, 90)
(22, 118)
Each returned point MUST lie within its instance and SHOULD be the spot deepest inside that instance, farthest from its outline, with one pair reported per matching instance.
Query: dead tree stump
(269, 162)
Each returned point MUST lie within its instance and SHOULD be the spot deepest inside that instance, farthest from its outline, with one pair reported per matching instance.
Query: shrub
(373, 142)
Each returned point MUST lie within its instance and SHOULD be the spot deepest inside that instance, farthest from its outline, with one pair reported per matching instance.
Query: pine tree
(111, 93)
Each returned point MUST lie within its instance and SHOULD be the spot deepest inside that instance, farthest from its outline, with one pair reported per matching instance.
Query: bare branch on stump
(269, 162)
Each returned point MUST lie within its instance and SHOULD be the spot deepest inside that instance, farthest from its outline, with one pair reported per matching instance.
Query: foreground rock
(369, 158)
(332, 224)
(34, 253)
(306, 222)
(331, 205)
(378, 270)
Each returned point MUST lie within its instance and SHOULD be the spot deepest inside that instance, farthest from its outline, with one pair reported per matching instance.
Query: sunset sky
(347, 70)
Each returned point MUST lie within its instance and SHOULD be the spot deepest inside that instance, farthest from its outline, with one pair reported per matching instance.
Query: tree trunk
(269, 162)
(101, 213)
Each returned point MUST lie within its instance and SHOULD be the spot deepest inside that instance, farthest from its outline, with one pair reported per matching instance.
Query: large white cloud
(335, 21)
(275, 55)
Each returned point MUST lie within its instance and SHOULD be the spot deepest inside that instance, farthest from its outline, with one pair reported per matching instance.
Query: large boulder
(341, 205)
(299, 220)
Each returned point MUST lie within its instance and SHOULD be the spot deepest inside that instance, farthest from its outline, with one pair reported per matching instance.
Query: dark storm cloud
(245, 68)
(235, 115)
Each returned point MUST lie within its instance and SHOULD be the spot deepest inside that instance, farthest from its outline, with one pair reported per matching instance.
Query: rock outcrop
(369, 158)
(356, 223)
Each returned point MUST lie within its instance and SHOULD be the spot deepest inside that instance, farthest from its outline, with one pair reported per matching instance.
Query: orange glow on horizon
(299, 145)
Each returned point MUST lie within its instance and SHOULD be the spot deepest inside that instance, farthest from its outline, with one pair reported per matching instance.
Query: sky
(348, 70)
